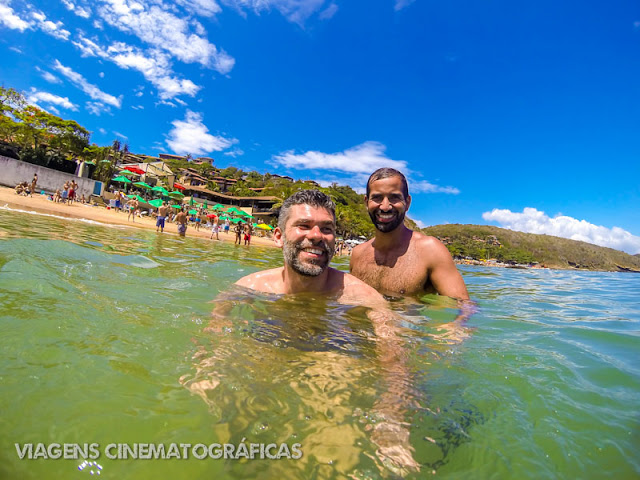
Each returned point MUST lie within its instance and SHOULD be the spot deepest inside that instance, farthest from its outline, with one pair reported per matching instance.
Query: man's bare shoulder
(263, 281)
(363, 247)
(429, 245)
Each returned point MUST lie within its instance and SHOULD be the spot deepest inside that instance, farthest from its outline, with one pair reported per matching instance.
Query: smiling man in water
(306, 233)
(397, 259)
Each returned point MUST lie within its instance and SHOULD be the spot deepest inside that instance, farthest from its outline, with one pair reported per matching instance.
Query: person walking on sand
(133, 209)
(162, 215)
(181, 221)
(215, 229)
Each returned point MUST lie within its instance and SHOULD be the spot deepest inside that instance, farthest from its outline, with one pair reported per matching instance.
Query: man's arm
(443, 274)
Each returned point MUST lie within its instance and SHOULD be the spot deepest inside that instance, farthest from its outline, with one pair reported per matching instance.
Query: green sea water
(104, 339)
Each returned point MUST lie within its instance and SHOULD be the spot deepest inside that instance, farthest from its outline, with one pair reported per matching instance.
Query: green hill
(482, 242)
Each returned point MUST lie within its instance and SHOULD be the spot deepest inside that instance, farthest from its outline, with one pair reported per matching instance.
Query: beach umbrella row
(121, 179)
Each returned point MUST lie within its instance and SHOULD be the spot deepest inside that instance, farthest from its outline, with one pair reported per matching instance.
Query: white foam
(7, 208)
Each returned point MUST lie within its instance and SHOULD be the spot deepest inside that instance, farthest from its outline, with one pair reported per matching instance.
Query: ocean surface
(111, 335)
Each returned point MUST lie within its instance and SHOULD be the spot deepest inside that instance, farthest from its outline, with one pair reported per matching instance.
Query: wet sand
(41, 204)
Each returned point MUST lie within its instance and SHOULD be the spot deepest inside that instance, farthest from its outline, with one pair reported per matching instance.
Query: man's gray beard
(291, 252)
(387, 227)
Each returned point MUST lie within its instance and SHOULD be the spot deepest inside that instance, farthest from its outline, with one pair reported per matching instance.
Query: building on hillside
(168, 156)
(260, 207)
(285, 177)
(201, 160)
(224, 183)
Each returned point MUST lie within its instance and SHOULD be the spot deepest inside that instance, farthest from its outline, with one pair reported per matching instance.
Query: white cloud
(400, 4)
(102, 131)
(420, 223)
(359, 161)
(81, 11)
(16, 49)
(191, 136)
(532, 220)
(101, 74)
(137, 107)
(49, 27)
(205, 8)
(118, 134)
(94, 92)
(48, 76)
(296, 11)
(423, 186)
(97, 108)
(9, 19)
(50, 99)
(362, 158)
(154, 65)
(329, 12)
(236, 152)
(165, 31)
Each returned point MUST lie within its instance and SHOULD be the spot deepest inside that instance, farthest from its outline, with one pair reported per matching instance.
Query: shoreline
(78, 211)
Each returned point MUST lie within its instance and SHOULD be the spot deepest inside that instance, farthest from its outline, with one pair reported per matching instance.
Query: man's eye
(376, 198)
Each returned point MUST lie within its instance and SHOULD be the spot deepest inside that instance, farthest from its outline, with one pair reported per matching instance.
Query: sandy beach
(41, 204)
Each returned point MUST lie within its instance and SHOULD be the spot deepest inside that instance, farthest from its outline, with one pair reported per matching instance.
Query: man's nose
(385, 205)
(315, 232)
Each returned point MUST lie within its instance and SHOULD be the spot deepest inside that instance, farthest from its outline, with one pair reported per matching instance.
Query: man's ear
(408, 202)
(277, 237)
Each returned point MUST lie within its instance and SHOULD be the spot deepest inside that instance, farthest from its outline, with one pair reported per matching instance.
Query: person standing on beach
(226, 226)
(65, 192)
(181, 221)
(34, 183)
(399, 260)
(238, 231)
(162, 215)
(215, 229)
(133, 209)
(72, 191)
(247, 233)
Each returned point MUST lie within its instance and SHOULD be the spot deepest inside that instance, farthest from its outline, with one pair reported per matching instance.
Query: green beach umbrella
(193, 212)
(160, 189)
(142, 184)
(224, 218)
(137, 197)
(126, 173)
(156, 203)
(218, 207)
(121, 179)
(176, 206)
(248, 215)
(176, 194)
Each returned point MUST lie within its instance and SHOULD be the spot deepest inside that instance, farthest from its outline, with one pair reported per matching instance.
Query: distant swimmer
(162, 215)
(181, 221)
(399, 260)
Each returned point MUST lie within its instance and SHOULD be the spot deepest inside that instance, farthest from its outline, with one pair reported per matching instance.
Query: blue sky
(518, 114)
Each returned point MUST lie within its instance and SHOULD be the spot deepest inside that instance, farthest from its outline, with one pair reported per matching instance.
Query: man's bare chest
(400, 274)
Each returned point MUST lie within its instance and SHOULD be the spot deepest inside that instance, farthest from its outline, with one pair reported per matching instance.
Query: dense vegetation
(482, 242)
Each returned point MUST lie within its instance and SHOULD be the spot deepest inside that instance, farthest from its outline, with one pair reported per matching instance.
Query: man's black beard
(311, 268)
(388, 226)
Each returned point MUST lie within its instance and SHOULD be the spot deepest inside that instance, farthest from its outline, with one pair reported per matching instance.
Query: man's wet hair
(387, 172)
(313, 198)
